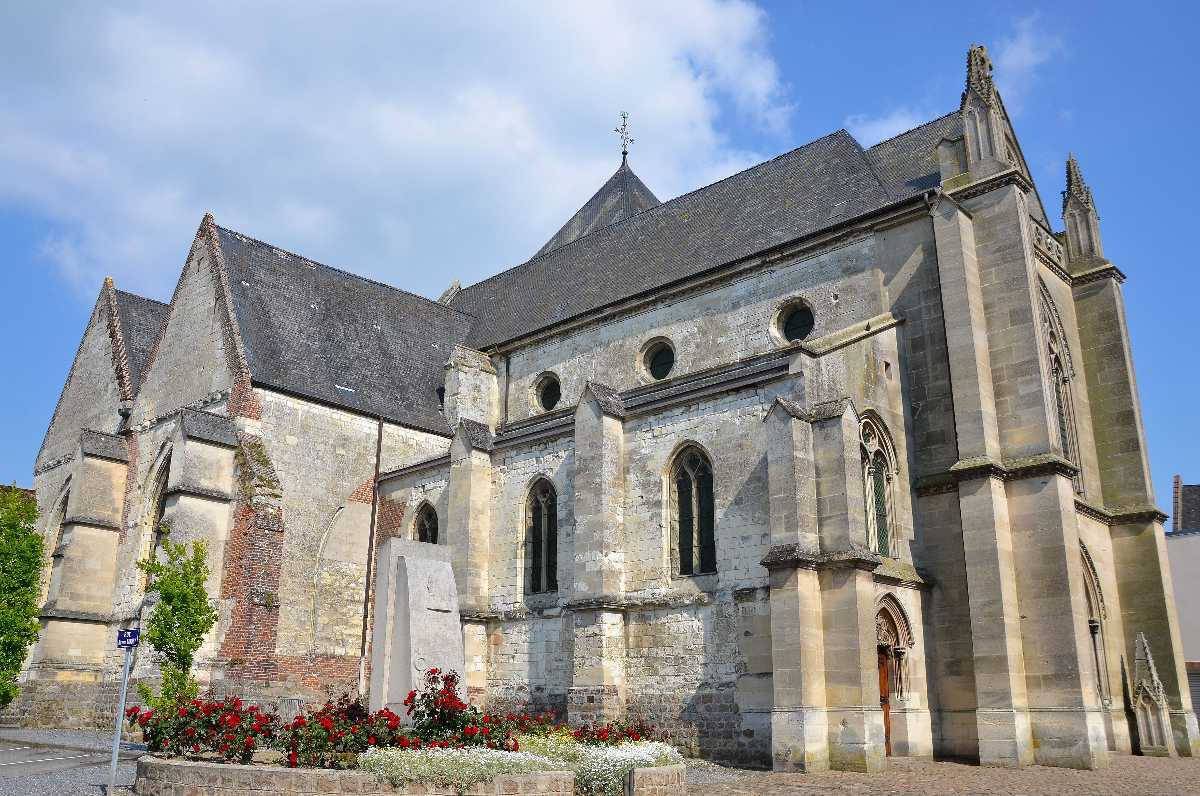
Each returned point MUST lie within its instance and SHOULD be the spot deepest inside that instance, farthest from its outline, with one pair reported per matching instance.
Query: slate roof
(812, 188)
(1189, 508)
(142, 321)
(325, 334)
(624, 195)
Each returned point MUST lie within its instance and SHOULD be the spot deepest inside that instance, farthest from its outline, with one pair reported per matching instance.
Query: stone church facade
(838, 458)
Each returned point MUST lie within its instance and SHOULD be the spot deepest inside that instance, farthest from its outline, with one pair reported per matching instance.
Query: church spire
(1080, 217)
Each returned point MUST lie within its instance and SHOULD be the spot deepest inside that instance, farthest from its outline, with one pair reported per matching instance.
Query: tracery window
(692, 513)
(1061, 373)
(878, 469)
(426, 526)
(542, 537)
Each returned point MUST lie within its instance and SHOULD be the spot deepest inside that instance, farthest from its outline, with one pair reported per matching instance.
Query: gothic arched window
(156, 510)
(541, 525)
(878, 468)
(58, 548)
(692, 515)
(1061, 372)
(426, 526)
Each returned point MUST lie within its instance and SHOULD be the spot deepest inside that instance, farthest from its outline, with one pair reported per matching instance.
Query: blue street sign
(127, 639)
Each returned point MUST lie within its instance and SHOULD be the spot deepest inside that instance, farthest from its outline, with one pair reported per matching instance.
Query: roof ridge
(344, 272)
(140, 296)
(911, 130)
(662, 204)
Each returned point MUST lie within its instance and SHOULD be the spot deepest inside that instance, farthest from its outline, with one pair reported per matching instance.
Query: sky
(422, 143)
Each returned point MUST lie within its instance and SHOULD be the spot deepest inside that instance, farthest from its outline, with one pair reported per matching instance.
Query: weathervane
(626, 138)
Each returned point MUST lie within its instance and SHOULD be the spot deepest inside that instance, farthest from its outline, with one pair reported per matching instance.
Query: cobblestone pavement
(1126, 776)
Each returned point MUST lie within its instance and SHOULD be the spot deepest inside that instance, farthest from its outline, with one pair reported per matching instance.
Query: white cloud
(1018, 58)
(870, 130)
(413, 144)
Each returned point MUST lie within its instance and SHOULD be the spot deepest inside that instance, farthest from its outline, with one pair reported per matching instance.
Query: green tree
(181, 619)
(20, 585)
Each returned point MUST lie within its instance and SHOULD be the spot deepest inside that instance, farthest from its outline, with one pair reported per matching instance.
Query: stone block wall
(158, 777)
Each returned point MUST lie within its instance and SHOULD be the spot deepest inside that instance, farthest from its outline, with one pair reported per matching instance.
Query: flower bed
(446, 745)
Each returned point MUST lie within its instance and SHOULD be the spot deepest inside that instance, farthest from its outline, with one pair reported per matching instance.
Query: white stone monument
(416, 620)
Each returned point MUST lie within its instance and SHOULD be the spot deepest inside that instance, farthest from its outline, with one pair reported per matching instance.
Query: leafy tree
(20, 585)
(181, 619)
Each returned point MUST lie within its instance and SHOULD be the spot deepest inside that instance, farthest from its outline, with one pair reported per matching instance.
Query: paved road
(29, 768)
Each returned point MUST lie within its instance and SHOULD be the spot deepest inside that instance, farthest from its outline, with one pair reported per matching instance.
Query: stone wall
(157, 777)
(726, 322)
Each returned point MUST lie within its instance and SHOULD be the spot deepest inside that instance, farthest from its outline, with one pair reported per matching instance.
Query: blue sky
(420, 145)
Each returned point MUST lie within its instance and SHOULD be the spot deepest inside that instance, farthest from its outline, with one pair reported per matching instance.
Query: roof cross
(623, 131)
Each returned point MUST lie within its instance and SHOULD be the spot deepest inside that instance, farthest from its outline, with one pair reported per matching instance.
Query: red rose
(327, 723)
(371, 740)
(293, 759)
(249, 742)
(182, 712)
(470, 731)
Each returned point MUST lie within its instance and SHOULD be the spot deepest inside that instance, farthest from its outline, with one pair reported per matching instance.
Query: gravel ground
(89, 780)
(1126, 776)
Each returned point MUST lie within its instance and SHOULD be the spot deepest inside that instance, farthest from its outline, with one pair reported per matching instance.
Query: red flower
(371, 740)
(196, 748)
(393, 722)
(190, 731)
(182, 712)
(327, 723)
(434, 672)
(249, 742)
(293, 759)
(470, 731)
(404, 742)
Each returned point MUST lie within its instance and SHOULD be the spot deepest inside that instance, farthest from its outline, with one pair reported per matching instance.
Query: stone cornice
(1003, 470)
(418, 467)
(52, 611)
(793, 555)
(1011, 176)
(1105, 270)
(94, 522)
(53, 463)
(1121, 515)
(198, 491)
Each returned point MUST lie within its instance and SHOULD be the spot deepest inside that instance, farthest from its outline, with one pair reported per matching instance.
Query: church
(836, 459)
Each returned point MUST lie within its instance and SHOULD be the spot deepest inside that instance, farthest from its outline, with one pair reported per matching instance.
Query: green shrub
(181, 619)
(454, 768)
(20, 585)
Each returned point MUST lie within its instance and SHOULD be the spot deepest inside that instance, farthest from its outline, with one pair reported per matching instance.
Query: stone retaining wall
(157, 777)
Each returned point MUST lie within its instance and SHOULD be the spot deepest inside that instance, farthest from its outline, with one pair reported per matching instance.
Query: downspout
(362, 649)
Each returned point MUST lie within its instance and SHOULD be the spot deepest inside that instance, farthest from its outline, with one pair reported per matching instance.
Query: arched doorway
(892, 640)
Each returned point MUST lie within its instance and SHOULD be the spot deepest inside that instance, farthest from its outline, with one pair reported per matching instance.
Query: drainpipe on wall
(362, 650)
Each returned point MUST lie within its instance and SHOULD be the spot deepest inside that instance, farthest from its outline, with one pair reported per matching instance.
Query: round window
(549, 393)
(796, 322)
(660, 359)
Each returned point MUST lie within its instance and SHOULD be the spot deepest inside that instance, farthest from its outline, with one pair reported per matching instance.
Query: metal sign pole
(124, 639)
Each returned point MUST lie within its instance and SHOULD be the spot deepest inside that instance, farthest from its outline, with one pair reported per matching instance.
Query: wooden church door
(885, 697)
